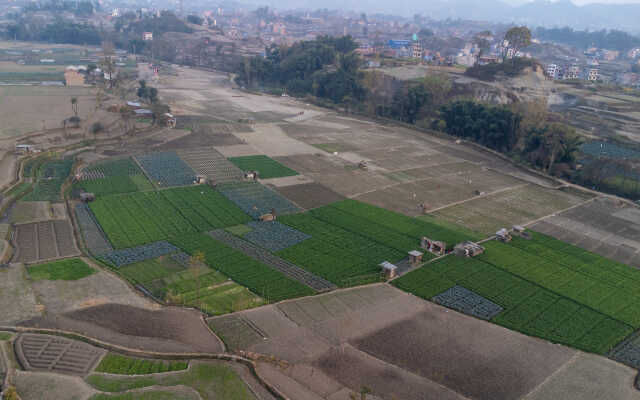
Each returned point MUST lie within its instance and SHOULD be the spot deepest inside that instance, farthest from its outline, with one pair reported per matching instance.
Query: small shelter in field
(170, 120)
(521, 232)
(251, 175)
(87, 197)
(415, 257)
(389, 270)
(468, 249)
(503, 235)
(436, 247)
(269, 217)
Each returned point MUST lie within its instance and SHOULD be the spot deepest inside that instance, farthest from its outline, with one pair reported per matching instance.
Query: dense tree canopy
(613, 39)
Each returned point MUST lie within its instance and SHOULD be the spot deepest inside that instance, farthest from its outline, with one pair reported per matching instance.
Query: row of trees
(612, 39)
(59, 31)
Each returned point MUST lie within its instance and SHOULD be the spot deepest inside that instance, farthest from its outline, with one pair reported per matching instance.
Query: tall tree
(518, 37)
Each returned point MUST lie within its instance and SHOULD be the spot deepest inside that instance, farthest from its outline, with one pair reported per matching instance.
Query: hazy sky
(581, 2)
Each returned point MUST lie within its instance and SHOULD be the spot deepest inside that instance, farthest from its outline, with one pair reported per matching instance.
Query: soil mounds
(171, 330)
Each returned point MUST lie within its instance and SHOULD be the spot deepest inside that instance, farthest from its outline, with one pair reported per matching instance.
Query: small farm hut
(503, 235)
(170, 120)
(87, 197)
(389, 269)
(415, 257)
(522, 232)
(436, 247)
(468, 249)
(251, 175)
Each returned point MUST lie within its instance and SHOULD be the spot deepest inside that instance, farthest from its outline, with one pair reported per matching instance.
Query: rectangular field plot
(49, 180)
(511, 207)
(468, 302)
(277, 263)
(267, 167)
(114, 185)
(261, 279)
(70, 269)
(343, 257)
(139, 218)
(273, 235)
(210, 163)
(604, 285)
(94, 239)
(107, 169)
(528, 308)
(167, 169)
(628, 352)
(44, 241)
(356, 215)
(256, 199)
(119, 258)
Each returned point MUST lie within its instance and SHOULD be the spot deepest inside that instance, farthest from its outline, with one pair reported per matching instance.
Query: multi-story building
(147, 36)
(593, 74)
(552, 71)
(573, 72)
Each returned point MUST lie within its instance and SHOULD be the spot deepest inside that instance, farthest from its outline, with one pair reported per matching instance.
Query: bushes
(116, 364)
(509, 68)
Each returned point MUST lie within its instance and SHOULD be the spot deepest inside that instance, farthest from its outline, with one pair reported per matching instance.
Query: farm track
(291, 270)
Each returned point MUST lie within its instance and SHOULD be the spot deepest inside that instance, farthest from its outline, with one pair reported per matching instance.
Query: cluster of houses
(574, 71)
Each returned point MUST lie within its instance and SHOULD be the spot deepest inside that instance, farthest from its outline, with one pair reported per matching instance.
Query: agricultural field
(172, 279)
(93, 236)
(70, 269)
(26, 109)
(49, 180)
(121, 365)
(261, 279)
(511, 207)
(113, 177)
(256, 199)
(119, 258)
(273, 235)
(44, 241)
(211, 380)
(139, 218)
(210, 163)
(547, 288)
(56, 354)
(166, 169)
(267, 167)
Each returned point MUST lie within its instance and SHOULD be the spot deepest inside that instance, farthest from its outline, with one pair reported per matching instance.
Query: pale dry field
(25, 109)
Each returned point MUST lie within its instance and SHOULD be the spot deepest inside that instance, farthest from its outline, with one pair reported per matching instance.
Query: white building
(593, 74)
(147, 36)
(552, 71)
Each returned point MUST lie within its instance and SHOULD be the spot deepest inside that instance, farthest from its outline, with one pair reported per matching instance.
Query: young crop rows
(287, 268)
(117, 364)
(267, 168)
(138, 218)
(69, 269)
(167, 169)
(628, 352)
(539, 297)
(257, 200)
(334, 253)
(412, 227)
(44, 240)
(118, 258)
(256, 276)
(273, 235)
(121, 167)
(468, 302)
(210, 163)
(56, 354)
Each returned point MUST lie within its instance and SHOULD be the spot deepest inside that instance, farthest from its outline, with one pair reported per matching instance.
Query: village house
(74, 76)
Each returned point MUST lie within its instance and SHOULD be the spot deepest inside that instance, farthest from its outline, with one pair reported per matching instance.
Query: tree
(518, 37)
(195, 19)
(74, 105)
(125, 116)
(96, 128)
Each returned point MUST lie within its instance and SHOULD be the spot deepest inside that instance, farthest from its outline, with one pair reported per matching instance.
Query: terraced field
(50, 178)
(547, 288)
(56, 354)
(139, 218)
(44, 241)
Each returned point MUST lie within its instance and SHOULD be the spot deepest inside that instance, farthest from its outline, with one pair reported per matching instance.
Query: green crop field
(68, 270)
(50, 177)
(548, 289)
(115, 185)
(120, 365)
(198, 286)
(350, 239)
(257, 277)
(213, 380)
(119, 167)
(138, 218)
(266, 167)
